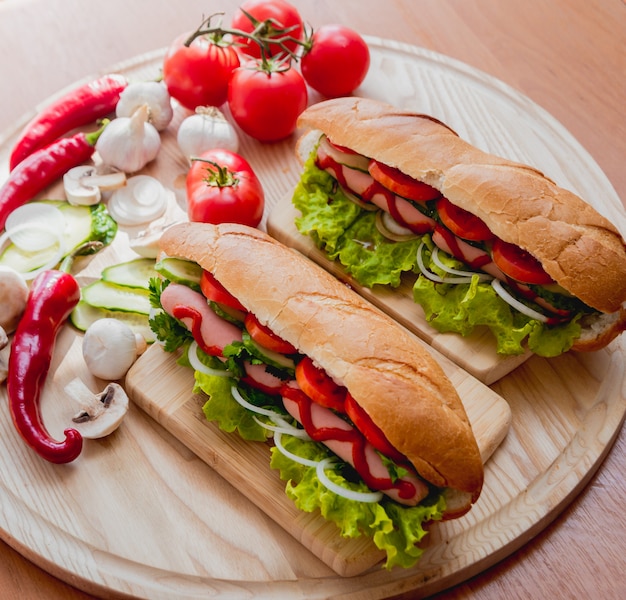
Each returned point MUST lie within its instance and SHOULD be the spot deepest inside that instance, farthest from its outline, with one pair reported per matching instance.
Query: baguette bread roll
(388, 372)
(580, 249)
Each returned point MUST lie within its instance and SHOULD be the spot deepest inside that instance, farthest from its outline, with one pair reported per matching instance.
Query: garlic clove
(109, 348)
(97, 415)
(129, 143)
(208, 128)
(154, 94)
(83, 185)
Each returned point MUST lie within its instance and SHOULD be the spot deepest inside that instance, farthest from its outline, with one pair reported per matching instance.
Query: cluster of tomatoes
(261, 65)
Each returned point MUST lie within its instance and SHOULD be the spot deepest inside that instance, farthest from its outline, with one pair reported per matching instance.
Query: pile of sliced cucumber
(121, 293)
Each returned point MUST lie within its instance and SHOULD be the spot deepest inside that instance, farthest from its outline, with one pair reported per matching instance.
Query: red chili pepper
(44, 167)
(81, 106)
(53, 296)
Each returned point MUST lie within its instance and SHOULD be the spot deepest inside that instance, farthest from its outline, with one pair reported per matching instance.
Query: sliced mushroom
(84, 185)
(98, 414)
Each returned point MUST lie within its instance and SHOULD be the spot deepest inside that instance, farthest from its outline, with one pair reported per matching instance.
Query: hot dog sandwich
(492, 242)
(366, 426)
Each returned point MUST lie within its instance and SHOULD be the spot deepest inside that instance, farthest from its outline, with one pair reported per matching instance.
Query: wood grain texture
(563, 54)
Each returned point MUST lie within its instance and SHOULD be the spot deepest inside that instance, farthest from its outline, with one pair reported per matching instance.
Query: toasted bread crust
(388, 372)
(580, 249)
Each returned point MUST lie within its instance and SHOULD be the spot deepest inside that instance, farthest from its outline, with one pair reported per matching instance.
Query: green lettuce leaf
(223, 409)
(395, 529)
(462, 308)
(348, 234)
(326, 210)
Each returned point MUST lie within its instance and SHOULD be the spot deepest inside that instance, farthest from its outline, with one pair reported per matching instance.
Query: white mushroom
(84, 185)
(110, 347)
(13, 297)
(4, 342)
(98, 414)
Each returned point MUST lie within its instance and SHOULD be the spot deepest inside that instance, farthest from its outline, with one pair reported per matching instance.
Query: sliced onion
(281, 426)
(320, 470)
(516, 304)
(443, 267)
(369, 206)
(432, 276)
(54, 260)
(251, 407)
(35, 227)
(195, 362)
(303, 461)
(391, 229)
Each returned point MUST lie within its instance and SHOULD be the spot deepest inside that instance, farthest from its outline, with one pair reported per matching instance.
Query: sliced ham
(211, 332)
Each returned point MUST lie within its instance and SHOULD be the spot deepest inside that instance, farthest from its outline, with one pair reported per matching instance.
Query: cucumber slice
(269, 357)
(84, 315)
(111, 296)
(134, 273)
(82, 224)
(179, 270)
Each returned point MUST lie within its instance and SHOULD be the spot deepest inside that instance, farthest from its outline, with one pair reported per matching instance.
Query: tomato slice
(215, 291)
(265, 337)
(372, 433)
(462, 222)
(343, 149)
(518, 264)
(319, 386)
(401, 184)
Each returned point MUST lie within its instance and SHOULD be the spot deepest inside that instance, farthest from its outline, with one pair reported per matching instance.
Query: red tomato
(401, 184)
(337, 61)
(461, 222)
(215, 291)
(518, 264)
(266, 105)
(198, 75)
(222, 188)
(372, 433)
(283, 16)
(265, 337)
(318, 386)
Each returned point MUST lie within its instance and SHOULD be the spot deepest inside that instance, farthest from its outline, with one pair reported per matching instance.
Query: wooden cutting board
(164, 390)
(475, 353)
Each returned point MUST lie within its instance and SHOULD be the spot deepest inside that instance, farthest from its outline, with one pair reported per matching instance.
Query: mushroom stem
(4, 342)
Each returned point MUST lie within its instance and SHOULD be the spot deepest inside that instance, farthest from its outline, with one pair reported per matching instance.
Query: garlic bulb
(205, 130)
(129, 143)
(152, 93)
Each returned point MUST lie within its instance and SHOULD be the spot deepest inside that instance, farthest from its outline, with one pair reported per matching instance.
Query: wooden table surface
(569, 56)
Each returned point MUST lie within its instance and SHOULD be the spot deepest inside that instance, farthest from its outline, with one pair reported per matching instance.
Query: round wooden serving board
(140, 515)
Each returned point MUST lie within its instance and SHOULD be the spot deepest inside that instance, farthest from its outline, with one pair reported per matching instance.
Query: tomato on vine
(223, 188)
(271, 20)
(266, 98)
(197, 73)
(335, 61)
